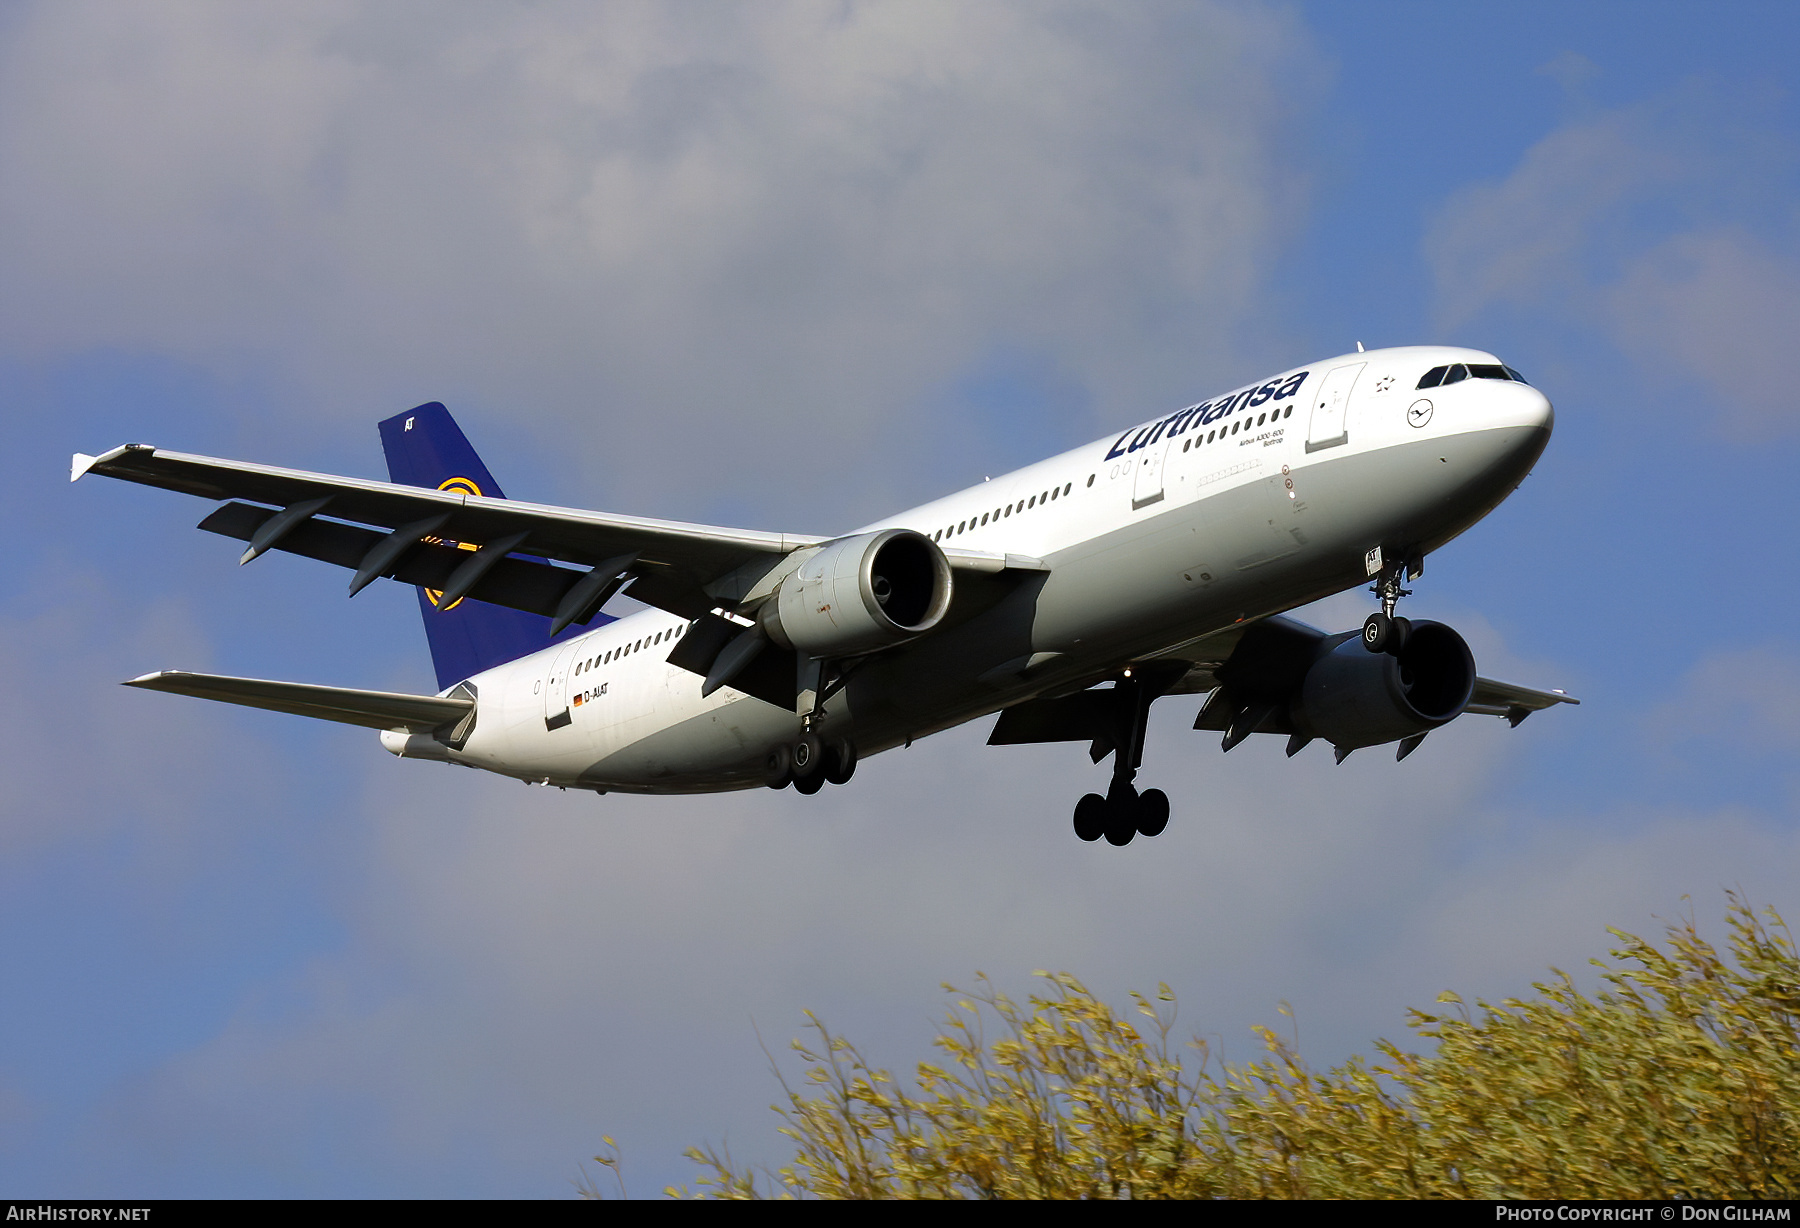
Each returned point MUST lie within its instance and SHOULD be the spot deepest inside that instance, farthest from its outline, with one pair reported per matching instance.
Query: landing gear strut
(1124, 812)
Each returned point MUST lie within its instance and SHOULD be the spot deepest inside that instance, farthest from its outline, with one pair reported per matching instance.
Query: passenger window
(1261, 418)
(1457, 374)
(1433, 377)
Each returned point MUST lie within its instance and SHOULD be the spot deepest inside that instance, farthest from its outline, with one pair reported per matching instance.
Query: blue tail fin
(425, 447)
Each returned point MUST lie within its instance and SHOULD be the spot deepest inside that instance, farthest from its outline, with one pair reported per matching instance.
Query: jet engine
(1352, 697)
(860, 594)
(1287, 678)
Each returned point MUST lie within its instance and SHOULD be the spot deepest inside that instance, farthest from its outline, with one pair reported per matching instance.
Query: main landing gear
(1125, 813)
(810, 763)
(1122, 813)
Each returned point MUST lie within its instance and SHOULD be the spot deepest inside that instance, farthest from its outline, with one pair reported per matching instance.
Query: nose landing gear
(1383, 632)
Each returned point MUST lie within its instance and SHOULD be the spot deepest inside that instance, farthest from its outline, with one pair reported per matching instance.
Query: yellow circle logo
(466, 486)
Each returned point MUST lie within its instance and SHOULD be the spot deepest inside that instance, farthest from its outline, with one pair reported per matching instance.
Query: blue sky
(792, 266)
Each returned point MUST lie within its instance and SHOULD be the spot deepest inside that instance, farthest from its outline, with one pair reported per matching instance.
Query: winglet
(82, 462)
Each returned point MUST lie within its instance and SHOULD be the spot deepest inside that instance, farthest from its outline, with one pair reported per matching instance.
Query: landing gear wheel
(1377, 632)
(840, 761)
(1121, 815)
(809, 784)
(808, 755)
(1152, 812)
(778, 768)
(1090, 817)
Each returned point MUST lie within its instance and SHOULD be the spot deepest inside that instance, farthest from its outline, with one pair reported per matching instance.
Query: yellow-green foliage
(1681, 1080)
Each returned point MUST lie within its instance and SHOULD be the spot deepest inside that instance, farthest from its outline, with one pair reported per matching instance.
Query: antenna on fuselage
(1359, 348)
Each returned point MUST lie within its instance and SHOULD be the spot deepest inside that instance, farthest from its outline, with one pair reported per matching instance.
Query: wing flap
(520, 584)
(370, 709)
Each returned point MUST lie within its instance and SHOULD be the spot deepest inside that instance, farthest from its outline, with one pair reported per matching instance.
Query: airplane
(1067, 596)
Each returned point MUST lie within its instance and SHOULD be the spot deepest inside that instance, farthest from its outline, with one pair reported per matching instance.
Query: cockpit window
(1475, 370)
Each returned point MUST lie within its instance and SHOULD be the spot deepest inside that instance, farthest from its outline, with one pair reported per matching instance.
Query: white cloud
(753, 232)
(1735, 703)
(1533, 235)
(1724, 305)
(1651, 222)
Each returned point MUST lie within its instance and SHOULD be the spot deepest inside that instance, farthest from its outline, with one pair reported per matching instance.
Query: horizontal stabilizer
(371, 709)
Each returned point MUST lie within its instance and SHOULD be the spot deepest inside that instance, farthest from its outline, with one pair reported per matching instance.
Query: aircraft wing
(371, 709)
(1514, 702)
(425, 537)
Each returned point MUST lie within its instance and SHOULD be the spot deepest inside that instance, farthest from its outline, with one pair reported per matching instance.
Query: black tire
(1398, 635)
(1121, 815)
(808, 755)
(809, 784)
(1090, 817)
(1377, 632)
(778, 768)
(1152, 812)
(840, 761)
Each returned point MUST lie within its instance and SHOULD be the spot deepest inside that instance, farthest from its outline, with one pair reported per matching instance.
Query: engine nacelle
(860, 594)
(1352, 697)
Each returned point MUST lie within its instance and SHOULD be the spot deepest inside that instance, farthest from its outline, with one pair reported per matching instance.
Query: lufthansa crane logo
(466, 486)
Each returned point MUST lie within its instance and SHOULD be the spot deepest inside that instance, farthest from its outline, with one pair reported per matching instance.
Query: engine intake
(861, 594)
(1352, 698)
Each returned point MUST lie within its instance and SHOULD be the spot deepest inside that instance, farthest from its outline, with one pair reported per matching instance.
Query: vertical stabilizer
(425, 447)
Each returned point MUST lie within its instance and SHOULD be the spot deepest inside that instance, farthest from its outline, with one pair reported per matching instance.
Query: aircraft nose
(1504, 429)
(1537, 410)
(1490, 405)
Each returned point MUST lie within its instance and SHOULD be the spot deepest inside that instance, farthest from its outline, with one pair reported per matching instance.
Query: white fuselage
(1241, 507)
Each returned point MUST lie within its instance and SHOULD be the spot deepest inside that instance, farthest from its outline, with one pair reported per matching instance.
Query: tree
(1681, 1080)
